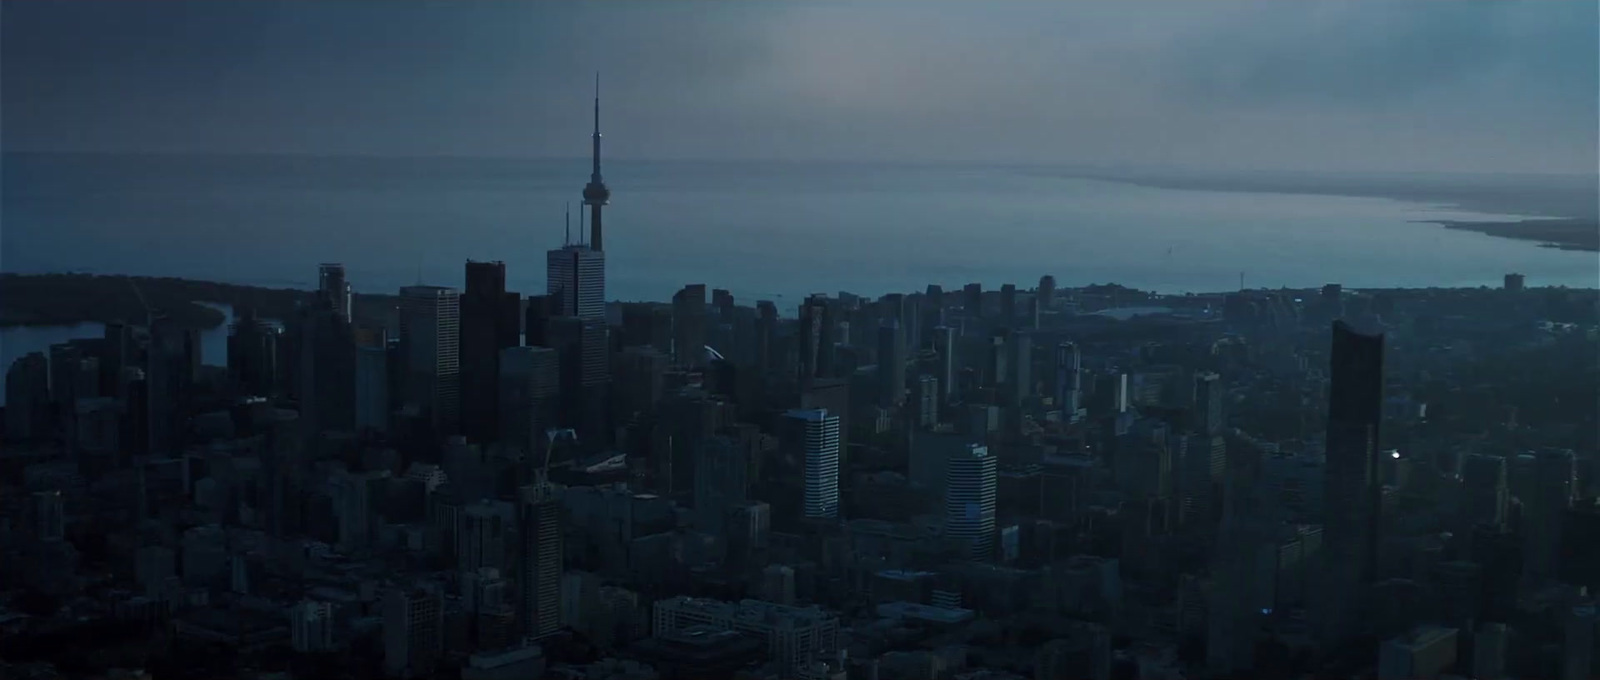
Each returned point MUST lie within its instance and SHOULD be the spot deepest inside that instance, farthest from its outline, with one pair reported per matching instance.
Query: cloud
(1383, 85)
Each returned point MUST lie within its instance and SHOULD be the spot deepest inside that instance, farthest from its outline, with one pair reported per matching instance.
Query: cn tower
(595, 193)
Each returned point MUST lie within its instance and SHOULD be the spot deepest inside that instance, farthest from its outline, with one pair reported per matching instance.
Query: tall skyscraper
(891, 364)
(1485, 490)
(972, 300)
(583, 351)
(430, 334)
(1047, 291)
(721, 480)
(539, 562)
(944, 343)
(815, 432)
(689, 325)
(1207, 413)
(576, 282)
(816, 339)
(334, 290)
(413, 633)
(327, 368)
(766, 335)
(536, 320)
(489, 322)
(927, 401)
(969, 500)
(252, 354)
(576, 327)
(1068, 379)
(28, 397)
(372, 380)
(170, 364)
(595, 193)
(1019, 367)
(1352, 492)
(530, 385)
(1553, 484)
(1008, 304)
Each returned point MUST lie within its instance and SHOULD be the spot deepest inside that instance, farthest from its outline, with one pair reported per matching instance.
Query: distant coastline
(39, 300)
(1565, 234)
(1558, 211)
(68, 299)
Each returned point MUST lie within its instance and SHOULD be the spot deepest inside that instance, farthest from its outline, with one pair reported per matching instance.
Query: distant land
(1559, 211)
(69, 299)
(66, 299)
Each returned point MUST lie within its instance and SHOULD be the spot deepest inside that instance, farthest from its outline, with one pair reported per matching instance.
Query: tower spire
(594, 175)
(595, 193)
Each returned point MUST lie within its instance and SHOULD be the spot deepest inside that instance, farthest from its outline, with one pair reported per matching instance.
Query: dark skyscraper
(595, 193)
(1008, 304)
(489, 324)
(1208, 416)
(536, 321)
(766, 335)
(1047, 291)
(334, 289)
(170, 364)
(529, 389)
(576, 327)
(972, 300)
(816, 339)
(1352, 491)
(891, 364)
(944, 343)
(1068, 379)
(327, 368)
(252, 354)
(689, 325)
(430, 336)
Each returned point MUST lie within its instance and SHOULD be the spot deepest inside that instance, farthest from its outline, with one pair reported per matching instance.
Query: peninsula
(64, 299)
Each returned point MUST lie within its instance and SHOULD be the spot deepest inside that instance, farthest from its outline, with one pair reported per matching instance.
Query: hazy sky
(1414, 85)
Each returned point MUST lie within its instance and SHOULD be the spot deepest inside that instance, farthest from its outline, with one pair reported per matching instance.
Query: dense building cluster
(1052, 483)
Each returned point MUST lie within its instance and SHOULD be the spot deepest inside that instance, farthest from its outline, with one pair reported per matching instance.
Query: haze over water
(761, 230)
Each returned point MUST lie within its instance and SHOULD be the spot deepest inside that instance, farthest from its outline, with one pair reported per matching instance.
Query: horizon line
(1021, 164)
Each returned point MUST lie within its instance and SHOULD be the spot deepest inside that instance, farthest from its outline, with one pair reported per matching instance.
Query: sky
(1347, 85)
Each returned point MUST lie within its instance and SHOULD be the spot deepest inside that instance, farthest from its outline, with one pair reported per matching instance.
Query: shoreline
(45, 300)
(1555, 217)
(64, 300)
(1560, 233)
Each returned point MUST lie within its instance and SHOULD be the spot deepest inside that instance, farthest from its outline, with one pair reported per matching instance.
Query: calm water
(18, 341)
(775, 231)
(760, 230)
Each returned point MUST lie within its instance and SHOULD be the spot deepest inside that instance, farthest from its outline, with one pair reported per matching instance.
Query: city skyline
(664, 456)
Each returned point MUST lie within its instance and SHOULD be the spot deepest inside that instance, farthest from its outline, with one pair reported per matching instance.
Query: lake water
(762, 230)
(20, 340)
(771, 230)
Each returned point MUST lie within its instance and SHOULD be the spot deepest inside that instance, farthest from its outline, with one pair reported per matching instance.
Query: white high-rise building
(575, 278)
(430, 335)
(819, 433)
(969, 500)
